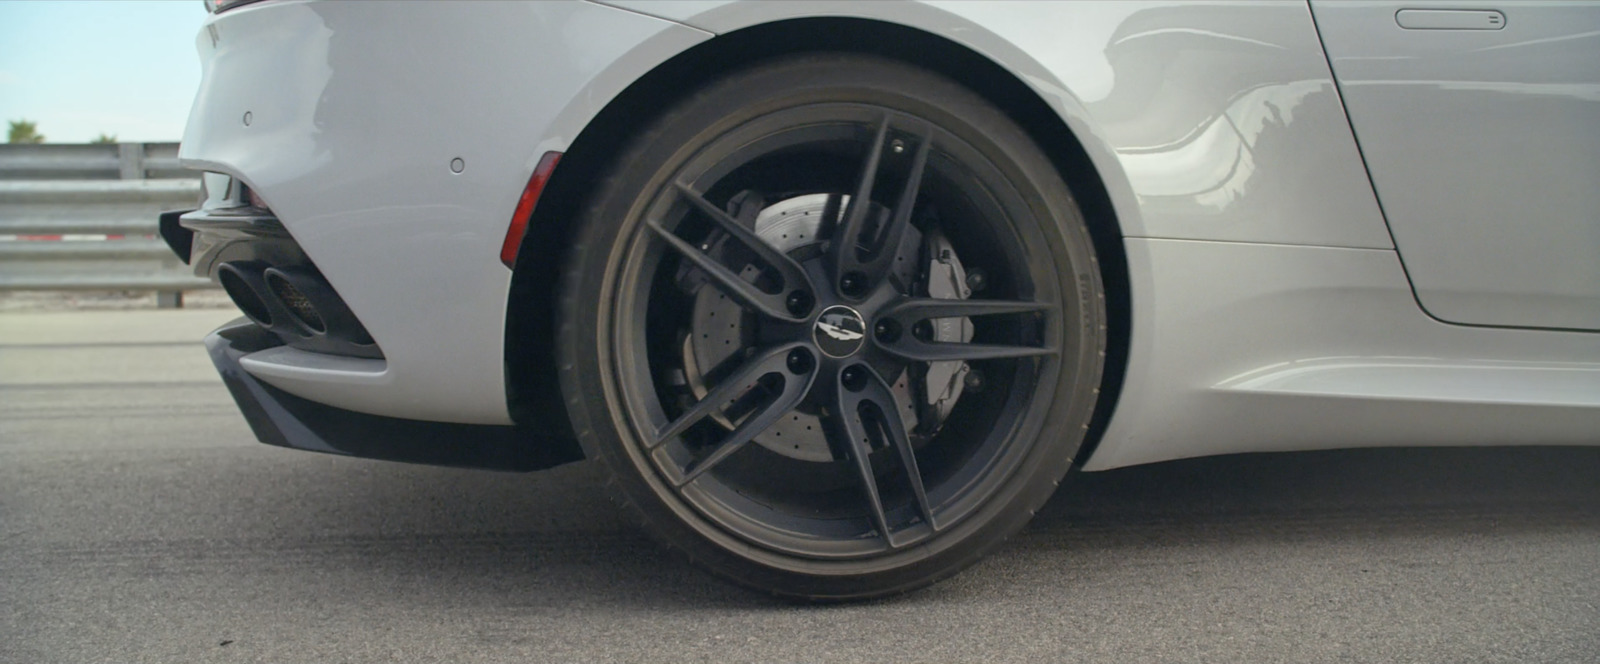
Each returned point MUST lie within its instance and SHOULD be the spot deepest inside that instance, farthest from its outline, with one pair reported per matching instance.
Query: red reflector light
(530, 197)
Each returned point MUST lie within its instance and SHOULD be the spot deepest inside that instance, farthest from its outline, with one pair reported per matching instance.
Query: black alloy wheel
(835, 325)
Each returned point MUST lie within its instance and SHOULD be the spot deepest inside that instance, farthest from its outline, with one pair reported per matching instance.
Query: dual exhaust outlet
(298, 305)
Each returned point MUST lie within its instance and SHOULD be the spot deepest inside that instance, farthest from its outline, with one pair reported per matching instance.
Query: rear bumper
(392, 141)
(279, 418)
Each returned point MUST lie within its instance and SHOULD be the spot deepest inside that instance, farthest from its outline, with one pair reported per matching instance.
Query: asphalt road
(139, 522)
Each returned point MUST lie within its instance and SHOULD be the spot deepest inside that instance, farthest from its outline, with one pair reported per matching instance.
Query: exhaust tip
(236, 280)
(299, 306)
(296, 304)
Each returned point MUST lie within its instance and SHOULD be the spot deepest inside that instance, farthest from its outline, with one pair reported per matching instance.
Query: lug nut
(853, 284)
(887, 330)
(799, 361)
(853, 378)
(799, 303)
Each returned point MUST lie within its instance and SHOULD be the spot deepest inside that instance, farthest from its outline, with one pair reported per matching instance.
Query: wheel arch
(533, 392)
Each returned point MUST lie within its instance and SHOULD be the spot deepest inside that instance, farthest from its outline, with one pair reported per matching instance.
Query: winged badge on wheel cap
(839, 331)
(833, 328)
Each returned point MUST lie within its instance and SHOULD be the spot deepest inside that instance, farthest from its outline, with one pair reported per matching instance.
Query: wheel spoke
(882, 406)
(849, 242)
(791, 274)
(912, 310)
(830, 216)
(895, 233)
(907, 313)
(855, 214)
(916, 350)
(793, 392)
(727, 391)
(746, 293)
(889, 411)
(856, 433)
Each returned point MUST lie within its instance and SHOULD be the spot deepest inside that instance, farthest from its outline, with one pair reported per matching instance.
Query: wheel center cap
(839, 331)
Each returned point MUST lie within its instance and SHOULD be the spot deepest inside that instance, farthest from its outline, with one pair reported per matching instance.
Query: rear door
(1480, 125)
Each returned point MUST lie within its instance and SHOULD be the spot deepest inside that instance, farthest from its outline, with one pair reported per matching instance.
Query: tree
(105, 138)
(24, 131)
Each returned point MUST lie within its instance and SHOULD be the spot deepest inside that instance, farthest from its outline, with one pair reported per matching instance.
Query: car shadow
(553, 541)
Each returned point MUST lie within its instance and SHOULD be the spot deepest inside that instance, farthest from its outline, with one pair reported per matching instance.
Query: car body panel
(1484, 146)
(350, 143)
(1206, 120)
(1330, 351)
(1269, 308)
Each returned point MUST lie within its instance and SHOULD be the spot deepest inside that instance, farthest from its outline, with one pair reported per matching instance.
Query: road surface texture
(139, 522)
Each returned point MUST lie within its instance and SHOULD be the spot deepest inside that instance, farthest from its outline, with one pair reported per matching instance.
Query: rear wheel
(835, 326)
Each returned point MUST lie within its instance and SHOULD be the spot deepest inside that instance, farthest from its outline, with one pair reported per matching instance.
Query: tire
(738, 333)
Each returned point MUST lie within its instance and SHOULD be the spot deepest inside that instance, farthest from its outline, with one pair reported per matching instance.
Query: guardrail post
(169, 299)
(131, 160)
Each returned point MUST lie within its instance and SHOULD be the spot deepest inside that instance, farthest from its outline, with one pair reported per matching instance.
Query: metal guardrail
(83, 217)
(90, 161)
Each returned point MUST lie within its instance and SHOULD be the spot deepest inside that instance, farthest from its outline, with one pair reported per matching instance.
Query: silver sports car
(838, 292)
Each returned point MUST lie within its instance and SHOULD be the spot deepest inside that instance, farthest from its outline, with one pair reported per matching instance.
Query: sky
(78, 69)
